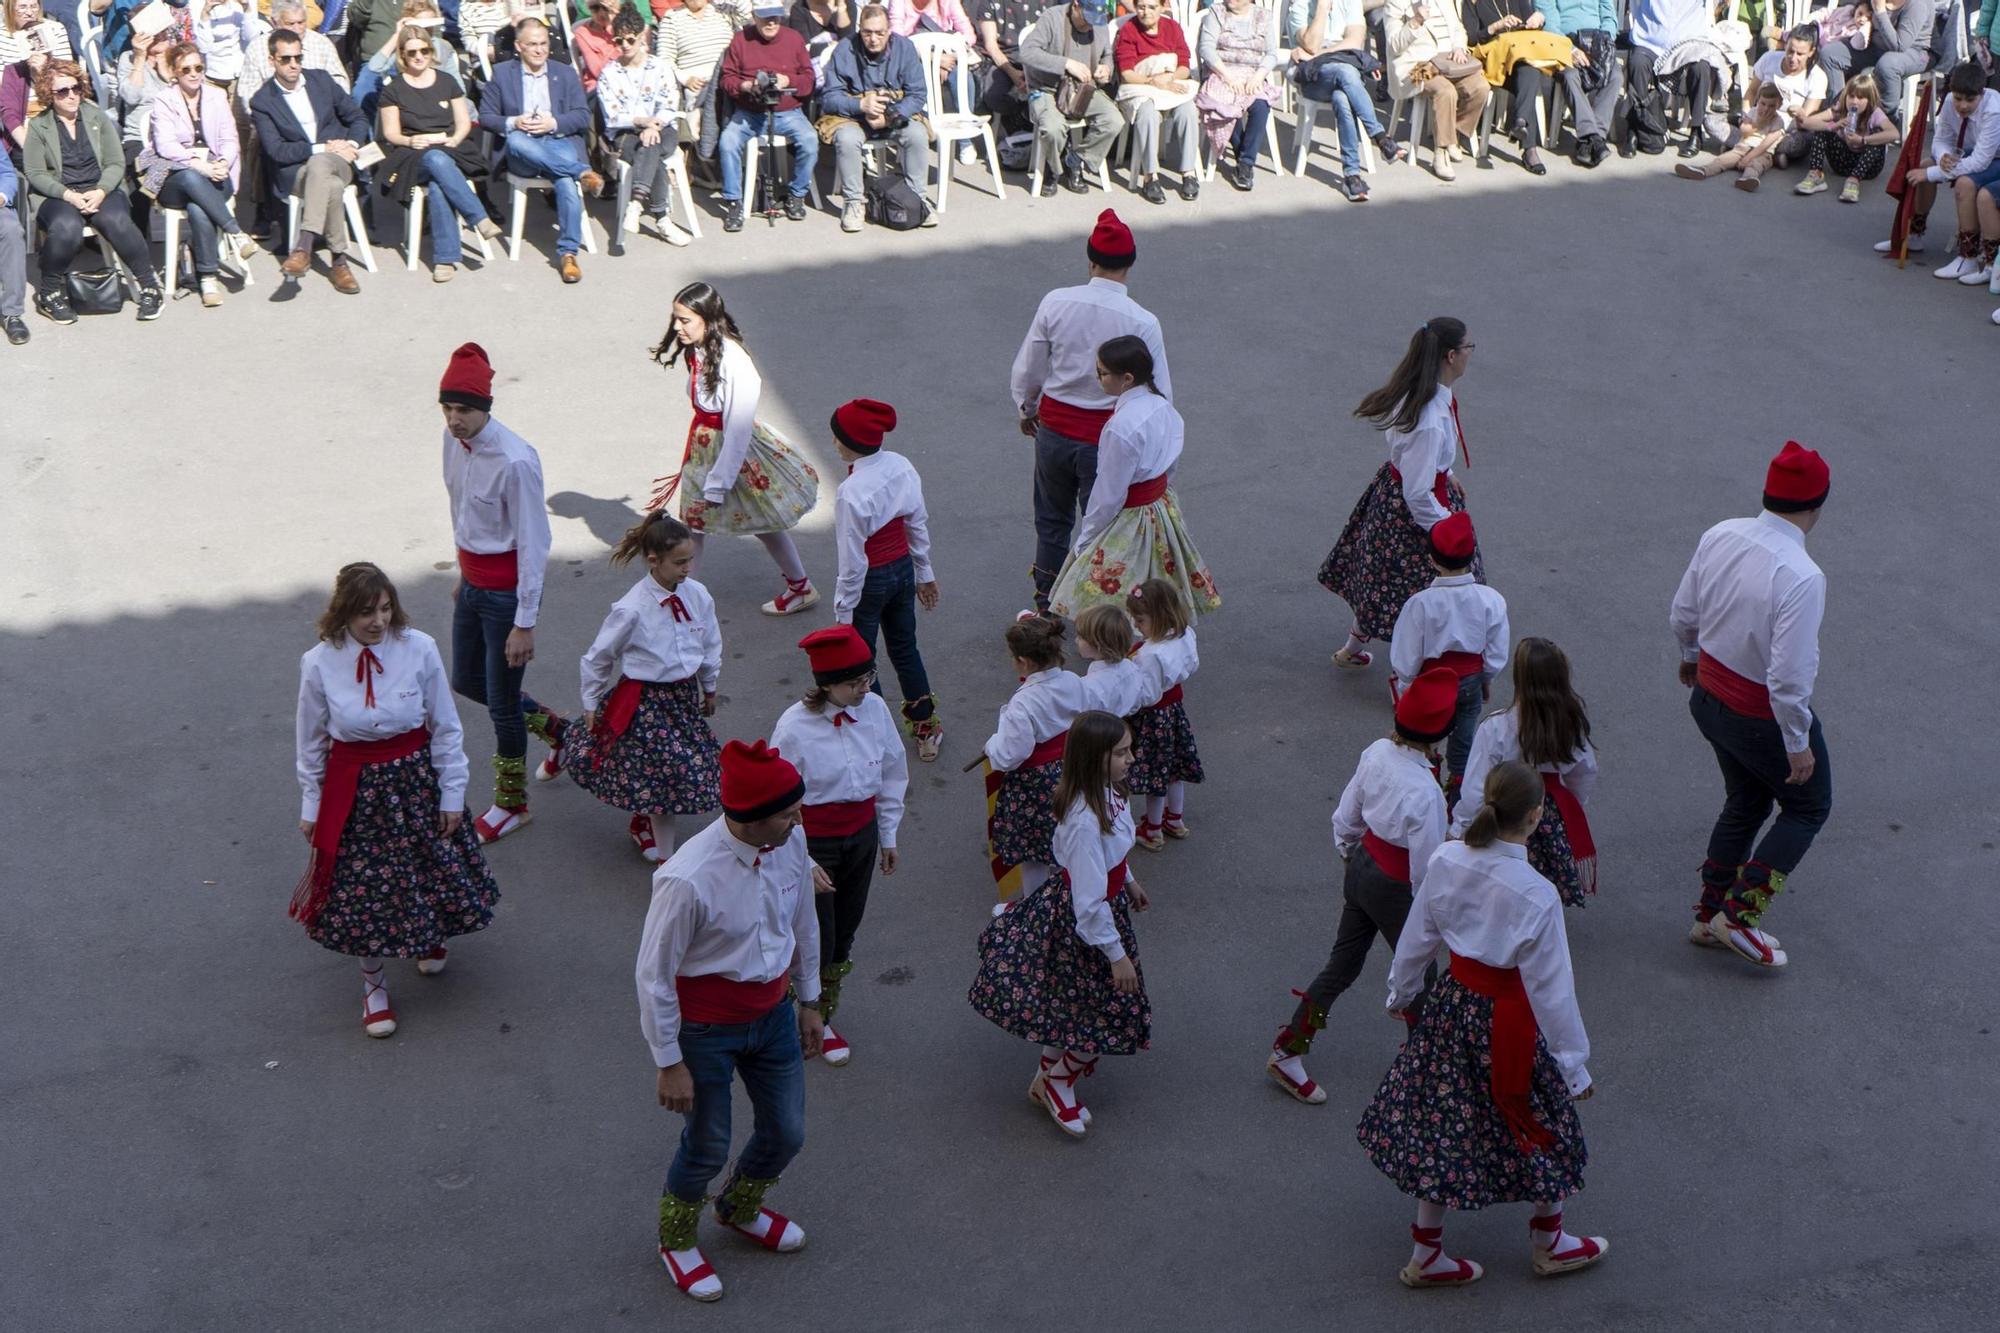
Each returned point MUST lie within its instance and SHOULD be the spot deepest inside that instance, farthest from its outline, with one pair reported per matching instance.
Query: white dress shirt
(1087, 852)
(1166, 663)
(1973, 140)
(738, 387)
(1456, 614)
(1143, 440)
(1489, 905)
(1421, 453)
(642, 639)
(878, 488)
(1498, 741)
(1115, 687)
(1393, 793)
(301, 107)
(1752, 599)
(1059, 355)
(1042, 707)
(497, 505)
(861, 757)
(411, 691)
(724, 908)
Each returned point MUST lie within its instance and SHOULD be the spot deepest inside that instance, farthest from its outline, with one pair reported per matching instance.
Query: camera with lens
(768, 91)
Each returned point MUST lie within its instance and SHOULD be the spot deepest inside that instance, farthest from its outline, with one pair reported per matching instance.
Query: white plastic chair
(1419, 112)
(171, 222)
(750, 152)
(413, 232)
(1272, 154)
(517, 193)
(951, 128)
(104, 84)
(677, 176)
(1302, 135)
(357, 226)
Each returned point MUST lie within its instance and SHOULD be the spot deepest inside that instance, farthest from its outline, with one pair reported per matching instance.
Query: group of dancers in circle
(1463, 839)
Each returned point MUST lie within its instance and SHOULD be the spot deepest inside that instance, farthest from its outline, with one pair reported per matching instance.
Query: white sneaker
(968, 156)
(1975, 277)
(631, 222)
(691, 1272)
(667, 230)
(834, 1049)
(1916, 246)
(1956, 268)
(1996, 317)
(852, 214)
(211, 291)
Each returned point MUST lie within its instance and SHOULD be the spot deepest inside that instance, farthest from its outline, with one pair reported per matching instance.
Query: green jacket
(42, 155)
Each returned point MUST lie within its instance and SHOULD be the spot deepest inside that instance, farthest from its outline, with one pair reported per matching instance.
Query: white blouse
(877, 489)
(738, 388)
(1114, 687)
(1498, 741)
(498, 505)
(1042, 707)
(1423, 452)
(1456, 614)
(1165, 664)
(1143, 440)
(1087, 852)
(645, 638)
(1488, 904)
(411, 691)
(861, 757)
(1393, 794)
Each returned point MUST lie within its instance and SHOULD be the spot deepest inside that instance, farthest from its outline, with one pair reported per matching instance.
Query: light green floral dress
(774, 487)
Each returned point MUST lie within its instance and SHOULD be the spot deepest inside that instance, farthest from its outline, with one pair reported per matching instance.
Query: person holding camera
(767, 73)
(875, 93)
(1069, 51)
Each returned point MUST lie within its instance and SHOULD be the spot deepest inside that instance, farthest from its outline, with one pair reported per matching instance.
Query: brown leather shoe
(297, 262)
(592, 183)
(570, 271)
(342, 278)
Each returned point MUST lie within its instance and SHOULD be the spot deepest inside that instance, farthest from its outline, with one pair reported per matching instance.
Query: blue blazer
(502, 100)
(283, 140)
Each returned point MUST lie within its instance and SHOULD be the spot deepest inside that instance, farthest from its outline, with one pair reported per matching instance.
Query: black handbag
(95, 292)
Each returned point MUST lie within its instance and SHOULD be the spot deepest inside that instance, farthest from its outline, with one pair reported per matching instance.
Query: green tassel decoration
(510, 781)
(829, 988)
(678, 1221)
(739, 1204)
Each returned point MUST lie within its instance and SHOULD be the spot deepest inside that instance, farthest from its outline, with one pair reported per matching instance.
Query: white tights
(784, 553)
(1159, 807)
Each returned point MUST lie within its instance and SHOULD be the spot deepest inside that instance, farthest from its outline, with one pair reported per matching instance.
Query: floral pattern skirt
(1162, 750)
(400, 888)
(665, 762)
(1433, 1127)
(1145, 542)
(1023, 823)
(1383, 558)
(774, 488)
(1549, 853)
(1039, 980)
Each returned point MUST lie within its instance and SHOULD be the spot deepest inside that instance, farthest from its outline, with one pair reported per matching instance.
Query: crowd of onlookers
(223, 123)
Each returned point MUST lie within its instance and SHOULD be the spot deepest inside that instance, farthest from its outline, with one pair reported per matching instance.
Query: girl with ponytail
(1477, 1108)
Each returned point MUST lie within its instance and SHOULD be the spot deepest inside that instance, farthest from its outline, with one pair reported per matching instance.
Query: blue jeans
(453, 204)
(768, 1056)
(206, 204)
(743, 126)
(1247, 139)
(1341, 85)
(367, 88)
(558, 160)
(481, 620)
(1751, 753)
(889, 603)
(1464, 724)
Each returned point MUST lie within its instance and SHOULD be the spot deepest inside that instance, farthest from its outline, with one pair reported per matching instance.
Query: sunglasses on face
(290, 60)
(191, 69)
(414, 51)
(630, 41)
(66, 90)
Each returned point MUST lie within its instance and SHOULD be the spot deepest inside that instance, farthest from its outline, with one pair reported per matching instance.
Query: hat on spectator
(1425, 709)
(1452, 541)
(757, 782)
(1097, 11)
(861, 423)
(837, 653)
(1110, 244)
(767, 9)
(1796, 481)
(468, 380)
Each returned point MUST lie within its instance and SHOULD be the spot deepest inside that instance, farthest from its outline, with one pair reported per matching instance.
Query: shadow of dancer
(608, 520)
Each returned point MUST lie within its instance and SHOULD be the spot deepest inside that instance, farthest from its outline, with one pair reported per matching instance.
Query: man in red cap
(882, 532)
(500, 522)
(1063, 406)
(1747, 617)
(1458, 623)
(731, 934)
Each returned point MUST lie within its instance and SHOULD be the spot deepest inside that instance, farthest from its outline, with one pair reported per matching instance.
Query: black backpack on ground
(893, 204)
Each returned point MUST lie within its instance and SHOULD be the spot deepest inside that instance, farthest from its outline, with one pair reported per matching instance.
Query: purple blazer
(172, 132)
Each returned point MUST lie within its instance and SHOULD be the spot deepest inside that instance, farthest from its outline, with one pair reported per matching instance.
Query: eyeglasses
(414, 51)
(66, 90)
(1465, 347)
(629, 41)
(289, 60)
(190, 69)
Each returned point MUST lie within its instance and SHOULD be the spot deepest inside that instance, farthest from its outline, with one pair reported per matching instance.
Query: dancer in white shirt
(1476, 1110)
(643, 744)
(1458, 623)
(1024, 754)
(394, 870)
(737, 474)
(1747, 618)
(1059, 966)
(1164, 757)
(846, 747)
(1113, 682)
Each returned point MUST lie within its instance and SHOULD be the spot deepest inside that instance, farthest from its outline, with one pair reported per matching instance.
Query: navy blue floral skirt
(400, 888)
(1023, 822)
(1162, 750)
(1383, 558)
(1549, 853)
(665, 762)
(1433, 1127)
(1039, 980)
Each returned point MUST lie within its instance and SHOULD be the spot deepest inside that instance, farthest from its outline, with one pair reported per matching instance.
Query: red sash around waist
(344, 762)
(498, 571)
(712, 998)
(1739, 694)
(1581, 845)
(1172, 696)
(890, 543)
(1437, 488)
(1512, 1039)
(1459, 664)
(1142, 493)
(615, 714)
(665, 487)
(1048, 752)
(1114, 881)
(1076, 423)
(1394, 860)
(837, 819)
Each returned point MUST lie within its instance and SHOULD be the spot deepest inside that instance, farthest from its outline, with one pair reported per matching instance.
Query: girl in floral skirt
(1164, 759)
(1546, 728)
(395, 870)
(1476, 1109)
(736, 474)
(1383, 555)
(1131, 529)
(644, 745)
(1060, 966)
(1025, 751)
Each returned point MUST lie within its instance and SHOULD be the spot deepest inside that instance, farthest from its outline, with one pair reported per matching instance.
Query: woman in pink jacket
(192, 134)
(909, 17)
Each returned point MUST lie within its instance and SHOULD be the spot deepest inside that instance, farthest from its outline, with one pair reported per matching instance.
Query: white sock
(1556, 1240)
(1033, 873)
(758, 1226)
(1293, 1067)
(663, 834)
(1355, 643)
(374, 991)
(687, 1260)
(1156, 809)
(1050, 1054)
(785, 553)
(1176, 801)
(1423, 1255)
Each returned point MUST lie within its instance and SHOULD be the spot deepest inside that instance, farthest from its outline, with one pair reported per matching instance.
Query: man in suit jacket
(309, 132)
(537, 110)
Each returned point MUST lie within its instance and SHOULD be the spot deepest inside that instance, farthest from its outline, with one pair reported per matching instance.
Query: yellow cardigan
(1546, 51)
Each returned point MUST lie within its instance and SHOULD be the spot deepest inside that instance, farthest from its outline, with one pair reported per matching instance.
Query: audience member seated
(1073, 39)
(1684, 29)
(824, 24)
(288, 16)
(308, 131)
(907, 18)
(194, 166)
(1156, 95)
(383, 63)
(75, 166)
(13, 256)
(426, 123)
(1240, 58)
(639, 93)
(536, 108)
(1851, 138)
(1327, 65)
(19, 101)
(143, 74)
(507, 41)
(1764, 127)
(1002, 26)
(1512, 34)
(1596, 75)
(874, 93)
(592, 43)
(224, 31)
(1794, 70)
(1898, 49)
(693, 38)
(1428, 58)
(769, 48)
(1965, 154)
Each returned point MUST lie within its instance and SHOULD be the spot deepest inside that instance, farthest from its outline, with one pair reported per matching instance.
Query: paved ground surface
(199, 1136)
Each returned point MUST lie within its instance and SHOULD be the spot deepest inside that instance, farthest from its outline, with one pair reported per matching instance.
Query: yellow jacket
(1546, 51)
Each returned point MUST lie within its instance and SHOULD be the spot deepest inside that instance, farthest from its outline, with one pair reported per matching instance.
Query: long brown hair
(1398, 404)
(1038, 640)
(717, 324)
(1087, 765)
(654, 535)
(1554, 727)
(1513, 790)
(356, 589)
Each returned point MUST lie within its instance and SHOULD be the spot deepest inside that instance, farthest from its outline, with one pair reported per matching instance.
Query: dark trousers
(1247, 139)
(1375, 905)
(1751, 753)
(889, 603)
(62, 237)
(207, 206)
(481, 619)
(766, 1055)
(850, 863)
(649, 168)
(1526, 87)
(1065, 470)
(1648, 107)
(1464, 723)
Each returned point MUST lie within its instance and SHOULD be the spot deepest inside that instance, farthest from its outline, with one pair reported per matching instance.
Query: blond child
(1758, 137)
(1851, 138)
